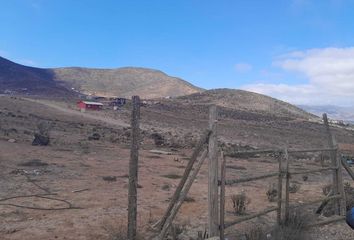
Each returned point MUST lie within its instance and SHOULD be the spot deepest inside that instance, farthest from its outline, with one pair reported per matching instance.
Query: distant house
(83, 105)
(118, 102)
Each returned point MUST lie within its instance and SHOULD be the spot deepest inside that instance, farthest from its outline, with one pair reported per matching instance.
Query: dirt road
(107, 120)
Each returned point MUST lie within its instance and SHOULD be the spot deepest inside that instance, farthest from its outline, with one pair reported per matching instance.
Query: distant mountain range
(147, 83)
(122, 82)
(335, 112)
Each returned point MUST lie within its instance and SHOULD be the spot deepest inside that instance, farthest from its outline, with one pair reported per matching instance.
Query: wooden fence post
(280, 190)
(333, 155)
(213, 211)
(342, 200)
(222, 197)
(287, 183)
(133, 169)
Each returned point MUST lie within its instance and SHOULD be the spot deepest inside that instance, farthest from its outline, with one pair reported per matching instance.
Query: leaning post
(213, 209)
(333, 154)
(133, 169)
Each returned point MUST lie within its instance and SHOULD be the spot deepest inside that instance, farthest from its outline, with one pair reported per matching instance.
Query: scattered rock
(109, 178)
(12, 140)
(40, 140)
(158, 139)
(33, 163)
(94, 136)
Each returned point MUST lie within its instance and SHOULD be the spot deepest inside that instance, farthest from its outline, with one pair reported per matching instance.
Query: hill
(246, 101)
(123, 82)
(19, 78)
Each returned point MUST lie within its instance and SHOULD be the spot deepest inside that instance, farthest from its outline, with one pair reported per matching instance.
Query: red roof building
(83, 105)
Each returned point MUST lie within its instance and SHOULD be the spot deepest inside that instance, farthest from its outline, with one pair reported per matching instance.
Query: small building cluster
(98, 103)
(85, 105)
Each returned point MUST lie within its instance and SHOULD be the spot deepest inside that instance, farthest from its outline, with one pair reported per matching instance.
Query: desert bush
(41, 136)
(158, 139)
(272, 192)
(256, 233)
(240, 202)
(305, 178)
(294, 228)
(294, 188)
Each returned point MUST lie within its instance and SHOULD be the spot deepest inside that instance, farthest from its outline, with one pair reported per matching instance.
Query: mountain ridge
(129, 81)
(122, 82)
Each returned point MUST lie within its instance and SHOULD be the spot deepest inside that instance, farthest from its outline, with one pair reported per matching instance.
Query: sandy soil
(73, 163)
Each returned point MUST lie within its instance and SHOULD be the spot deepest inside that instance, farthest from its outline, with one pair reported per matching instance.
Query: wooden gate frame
(216, 204)
(284, 172)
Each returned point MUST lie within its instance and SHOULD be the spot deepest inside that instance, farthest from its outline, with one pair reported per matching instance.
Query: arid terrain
(123, 82)
(92, 175)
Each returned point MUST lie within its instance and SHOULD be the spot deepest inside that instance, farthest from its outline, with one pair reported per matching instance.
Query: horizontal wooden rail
(252, 152)
(242, 180)
(245, 218)
(260, 151)
(338, 196)
(325, 222)
(312, 171)
(312, 150)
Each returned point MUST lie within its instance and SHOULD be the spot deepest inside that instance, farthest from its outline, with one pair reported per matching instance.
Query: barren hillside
(245, 101)
(122, 82)
(19, 78)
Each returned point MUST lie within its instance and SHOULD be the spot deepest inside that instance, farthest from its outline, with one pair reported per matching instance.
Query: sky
(300, 51)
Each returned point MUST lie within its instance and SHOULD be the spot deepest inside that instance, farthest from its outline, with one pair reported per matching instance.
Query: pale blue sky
(265, 46)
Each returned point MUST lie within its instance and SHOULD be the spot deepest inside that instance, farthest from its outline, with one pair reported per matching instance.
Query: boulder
(40, 140)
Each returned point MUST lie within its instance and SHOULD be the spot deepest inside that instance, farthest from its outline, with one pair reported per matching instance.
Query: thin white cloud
(330, 74)
(243, 67)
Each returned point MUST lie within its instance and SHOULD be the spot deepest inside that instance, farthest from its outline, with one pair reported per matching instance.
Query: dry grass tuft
(240, 202)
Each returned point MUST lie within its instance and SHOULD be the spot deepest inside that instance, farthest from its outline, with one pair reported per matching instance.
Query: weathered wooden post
(133, 169)
(332, 145)
(337, 173)
(222, 197)
(287, 183)
(280, 191)
(213, 209)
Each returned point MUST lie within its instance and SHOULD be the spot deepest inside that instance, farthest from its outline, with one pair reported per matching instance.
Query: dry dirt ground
(72, 163)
